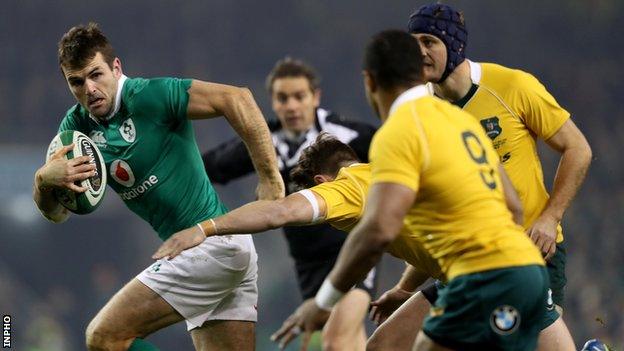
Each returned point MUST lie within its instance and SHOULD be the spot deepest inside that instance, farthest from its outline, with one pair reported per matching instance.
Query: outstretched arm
(254, 217)
(208, 100)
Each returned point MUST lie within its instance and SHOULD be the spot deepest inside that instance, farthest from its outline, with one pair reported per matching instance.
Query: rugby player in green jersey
(143, 130)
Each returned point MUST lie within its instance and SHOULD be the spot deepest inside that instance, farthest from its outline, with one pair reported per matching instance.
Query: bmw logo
(505, 320)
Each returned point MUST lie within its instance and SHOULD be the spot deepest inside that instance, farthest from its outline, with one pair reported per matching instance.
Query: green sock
(142, 345)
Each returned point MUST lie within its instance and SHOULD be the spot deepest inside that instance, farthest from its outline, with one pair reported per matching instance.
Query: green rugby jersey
(151, 154)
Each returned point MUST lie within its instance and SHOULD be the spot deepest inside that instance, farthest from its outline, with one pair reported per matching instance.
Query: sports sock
(142, 345)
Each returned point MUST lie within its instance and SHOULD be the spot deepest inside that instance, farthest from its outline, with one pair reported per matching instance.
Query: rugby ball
(87, 202)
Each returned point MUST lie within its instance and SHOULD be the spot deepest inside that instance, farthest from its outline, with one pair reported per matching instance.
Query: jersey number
(477, 153)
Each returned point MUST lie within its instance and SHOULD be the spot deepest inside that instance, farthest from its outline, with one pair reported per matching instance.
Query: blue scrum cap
(447, 24)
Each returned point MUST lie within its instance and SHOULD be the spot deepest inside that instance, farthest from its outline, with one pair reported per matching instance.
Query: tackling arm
(254, 217)
(239, 108)
(260, 216)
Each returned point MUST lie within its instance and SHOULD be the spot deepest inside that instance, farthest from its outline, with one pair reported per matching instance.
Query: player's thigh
(556, 337)
(399, 331)
(134, 311)
(225, 335)
(424, 343)
(348, 315)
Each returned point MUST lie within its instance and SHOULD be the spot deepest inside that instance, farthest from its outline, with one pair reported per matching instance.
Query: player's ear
(117, 67)
(369, 81)
(322, 178)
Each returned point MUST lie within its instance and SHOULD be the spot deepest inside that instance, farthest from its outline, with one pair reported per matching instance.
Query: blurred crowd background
(54, 278)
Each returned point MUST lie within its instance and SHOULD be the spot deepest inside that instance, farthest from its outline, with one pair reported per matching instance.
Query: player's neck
(385, 101)
(457, 85)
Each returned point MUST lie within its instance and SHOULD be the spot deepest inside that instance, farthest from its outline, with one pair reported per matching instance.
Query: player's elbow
(587, 154)
(56, 218)
(581, 151)
(382, 232)
(242, 95)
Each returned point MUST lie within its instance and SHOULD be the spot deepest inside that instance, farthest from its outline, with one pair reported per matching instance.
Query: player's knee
(98, 339)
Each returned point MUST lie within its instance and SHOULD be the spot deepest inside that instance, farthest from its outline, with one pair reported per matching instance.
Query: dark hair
(325, 156)
(289, 67)
(393, 59)
(80, 45)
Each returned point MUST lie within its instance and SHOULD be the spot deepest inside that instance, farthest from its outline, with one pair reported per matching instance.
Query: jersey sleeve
(342, 198)
(539, 109)
(397, 152)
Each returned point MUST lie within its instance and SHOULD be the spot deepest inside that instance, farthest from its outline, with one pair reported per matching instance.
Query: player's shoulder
(149, 87)
(74, 117)
(75, 112)
(502, 78)
(355, 169)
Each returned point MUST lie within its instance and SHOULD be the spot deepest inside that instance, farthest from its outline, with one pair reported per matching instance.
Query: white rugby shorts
(215, 280)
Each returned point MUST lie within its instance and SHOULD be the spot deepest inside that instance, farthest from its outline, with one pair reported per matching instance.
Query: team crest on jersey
(127, 130)
(98, 138)
(122, 173)
(505, 320)
(492, 127)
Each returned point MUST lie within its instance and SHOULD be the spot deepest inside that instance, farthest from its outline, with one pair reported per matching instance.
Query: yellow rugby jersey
(459, 215)
(514, 108)
(345, 198)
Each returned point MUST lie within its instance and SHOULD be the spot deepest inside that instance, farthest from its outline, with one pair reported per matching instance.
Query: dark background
(54, 278)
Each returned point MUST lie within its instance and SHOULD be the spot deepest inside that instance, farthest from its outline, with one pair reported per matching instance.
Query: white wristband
(327, 296)
(201, 228)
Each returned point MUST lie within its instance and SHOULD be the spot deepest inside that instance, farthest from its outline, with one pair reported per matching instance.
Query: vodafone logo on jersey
(122, 173)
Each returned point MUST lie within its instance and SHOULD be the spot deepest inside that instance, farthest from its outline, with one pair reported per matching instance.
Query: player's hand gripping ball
(87, 202)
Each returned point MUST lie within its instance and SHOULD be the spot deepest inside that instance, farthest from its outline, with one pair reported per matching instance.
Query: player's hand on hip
(384, 306)
(178, 242)
(543, 232)
(270, 189)
(308, 318)
(59, 172)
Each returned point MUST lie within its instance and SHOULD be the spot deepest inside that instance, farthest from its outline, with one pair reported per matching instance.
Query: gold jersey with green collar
(459, 214)
(345, 197)
(514, 108)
